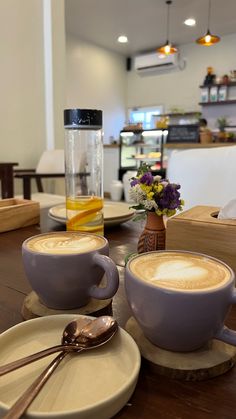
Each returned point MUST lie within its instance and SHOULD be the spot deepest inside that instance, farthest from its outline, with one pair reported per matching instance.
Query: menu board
(183, 134)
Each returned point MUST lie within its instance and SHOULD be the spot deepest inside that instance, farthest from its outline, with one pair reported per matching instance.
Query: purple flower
(152, 193)
(169, 198)
(134, 182)
(147, 179)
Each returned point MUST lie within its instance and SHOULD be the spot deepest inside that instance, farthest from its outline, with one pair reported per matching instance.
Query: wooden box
(17, 213)
(198, 230)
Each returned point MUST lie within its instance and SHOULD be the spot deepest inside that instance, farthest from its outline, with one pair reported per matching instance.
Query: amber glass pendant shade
(208, 39)
(167, 49)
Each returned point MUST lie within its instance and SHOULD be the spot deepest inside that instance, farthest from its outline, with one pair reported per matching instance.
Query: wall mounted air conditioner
(155, 63)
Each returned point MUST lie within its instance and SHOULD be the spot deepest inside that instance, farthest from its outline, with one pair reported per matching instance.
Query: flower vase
(154, 234)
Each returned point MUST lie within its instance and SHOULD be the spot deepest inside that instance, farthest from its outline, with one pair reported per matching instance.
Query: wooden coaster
(210, 361)
(33, 307)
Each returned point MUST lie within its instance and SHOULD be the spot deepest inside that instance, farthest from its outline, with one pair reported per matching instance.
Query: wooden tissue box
(17, 213)
(198, 230)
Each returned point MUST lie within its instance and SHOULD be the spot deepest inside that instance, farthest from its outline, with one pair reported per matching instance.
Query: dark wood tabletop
(155, 396)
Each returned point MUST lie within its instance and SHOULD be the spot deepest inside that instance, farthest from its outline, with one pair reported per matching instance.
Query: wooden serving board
(209, 361)
(33, 307)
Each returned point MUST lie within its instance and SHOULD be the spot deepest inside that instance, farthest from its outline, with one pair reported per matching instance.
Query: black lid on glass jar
(83, 118)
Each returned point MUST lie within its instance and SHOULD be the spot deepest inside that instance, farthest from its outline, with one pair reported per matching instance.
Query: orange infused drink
(85, 214)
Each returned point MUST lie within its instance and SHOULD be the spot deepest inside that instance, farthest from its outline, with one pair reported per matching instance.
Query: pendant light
(167, 49)
(208, 39)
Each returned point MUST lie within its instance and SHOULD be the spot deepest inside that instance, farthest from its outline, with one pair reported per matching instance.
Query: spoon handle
(20, 406)
(4, 369)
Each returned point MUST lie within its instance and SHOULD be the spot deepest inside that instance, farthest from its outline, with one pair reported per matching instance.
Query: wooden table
(155, 396)
(7, 181)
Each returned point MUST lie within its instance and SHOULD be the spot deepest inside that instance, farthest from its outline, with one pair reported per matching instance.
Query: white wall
(22, 79)
(24, 116)
(181, 88)
(96, 79)
(22, 124)
(58, 70)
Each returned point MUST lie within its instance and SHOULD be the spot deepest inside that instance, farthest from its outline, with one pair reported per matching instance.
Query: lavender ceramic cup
(180, 299)
(66, 268)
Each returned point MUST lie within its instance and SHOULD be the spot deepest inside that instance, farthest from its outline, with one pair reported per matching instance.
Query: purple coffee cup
(65, 269)
(181, 319)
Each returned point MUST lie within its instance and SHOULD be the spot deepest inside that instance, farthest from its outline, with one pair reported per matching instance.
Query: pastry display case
(140, 146)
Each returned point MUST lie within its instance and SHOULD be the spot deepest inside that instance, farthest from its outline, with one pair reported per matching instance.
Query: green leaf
(137, 207)
(140, 217)
(144, 168)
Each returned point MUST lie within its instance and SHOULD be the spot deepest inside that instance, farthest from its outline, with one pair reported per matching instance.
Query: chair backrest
(207, 176)
(51, 161)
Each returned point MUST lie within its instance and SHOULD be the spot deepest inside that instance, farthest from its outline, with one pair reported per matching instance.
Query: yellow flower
(159, 188)
(145, 188)
(150, 195)
(159, 212)
(169, 212)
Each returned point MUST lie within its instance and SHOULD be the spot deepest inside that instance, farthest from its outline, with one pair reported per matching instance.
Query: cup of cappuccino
(66, 268)
(180, 299)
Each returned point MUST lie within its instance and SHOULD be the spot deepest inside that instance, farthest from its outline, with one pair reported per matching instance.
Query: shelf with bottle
(218, 94)
(229, 84)
(218, 102)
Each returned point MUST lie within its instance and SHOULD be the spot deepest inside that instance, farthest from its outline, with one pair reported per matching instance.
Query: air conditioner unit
(154, 62)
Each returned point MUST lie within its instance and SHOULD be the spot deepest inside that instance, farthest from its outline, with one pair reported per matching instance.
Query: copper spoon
(71, 341)
(96, 333)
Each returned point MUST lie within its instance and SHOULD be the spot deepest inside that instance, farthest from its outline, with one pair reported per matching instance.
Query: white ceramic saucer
(93, 384)
(114, 213)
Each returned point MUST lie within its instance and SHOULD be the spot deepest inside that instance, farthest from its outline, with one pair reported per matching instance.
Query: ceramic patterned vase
(153, 236)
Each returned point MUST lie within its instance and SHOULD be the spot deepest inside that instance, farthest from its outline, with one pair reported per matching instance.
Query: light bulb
(208, 38)
(167, 49)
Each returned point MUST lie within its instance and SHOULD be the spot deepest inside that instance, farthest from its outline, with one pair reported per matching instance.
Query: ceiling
(144, 22)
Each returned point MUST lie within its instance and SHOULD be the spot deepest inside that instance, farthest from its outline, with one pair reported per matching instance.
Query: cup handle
(112, 278)
(225, 334)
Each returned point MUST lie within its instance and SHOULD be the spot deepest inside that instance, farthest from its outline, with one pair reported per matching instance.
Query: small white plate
(114, 213)
(93, 384)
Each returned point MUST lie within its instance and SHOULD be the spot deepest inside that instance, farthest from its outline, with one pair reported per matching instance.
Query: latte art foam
(179, 271)
(65, 243)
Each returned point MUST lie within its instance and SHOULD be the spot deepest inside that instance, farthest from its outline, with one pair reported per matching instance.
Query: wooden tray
(17, 213)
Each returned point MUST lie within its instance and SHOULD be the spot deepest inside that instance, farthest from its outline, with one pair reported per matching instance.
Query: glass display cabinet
(140, 146)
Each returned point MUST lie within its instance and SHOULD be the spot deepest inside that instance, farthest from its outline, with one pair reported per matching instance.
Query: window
(145, 115)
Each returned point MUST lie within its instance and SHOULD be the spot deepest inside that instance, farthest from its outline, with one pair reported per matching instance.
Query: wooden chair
(6, 179)
(50, 165)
